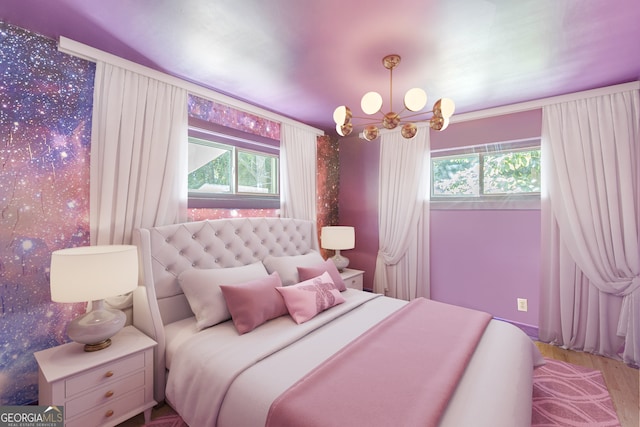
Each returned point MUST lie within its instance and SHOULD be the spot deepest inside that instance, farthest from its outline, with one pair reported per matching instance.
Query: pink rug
(564, 395)
(571, 396)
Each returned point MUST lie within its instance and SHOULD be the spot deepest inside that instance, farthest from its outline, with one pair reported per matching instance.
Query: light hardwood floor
(622, 381)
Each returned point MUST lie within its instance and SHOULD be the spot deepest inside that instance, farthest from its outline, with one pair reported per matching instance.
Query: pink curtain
(591, 262)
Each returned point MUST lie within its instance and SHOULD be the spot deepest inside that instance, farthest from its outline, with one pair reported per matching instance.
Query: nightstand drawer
(354, 282)
(103, 395)
(103, 374)
(353, 279)
(111, 411)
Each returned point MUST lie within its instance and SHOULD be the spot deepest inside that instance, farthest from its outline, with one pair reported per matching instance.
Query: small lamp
(93, 273)
(338, 238)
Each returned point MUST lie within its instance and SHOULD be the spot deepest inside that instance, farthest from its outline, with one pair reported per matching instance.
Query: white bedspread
(208, 362)
(495, 391)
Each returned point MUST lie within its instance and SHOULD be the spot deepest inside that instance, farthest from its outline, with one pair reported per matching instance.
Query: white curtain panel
(297, 172)
(591, 193)
(403, 255)
(138, 154)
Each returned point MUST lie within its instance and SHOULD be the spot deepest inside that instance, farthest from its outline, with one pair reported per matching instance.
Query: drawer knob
(109, 374)
(108, 394)
(109, 413)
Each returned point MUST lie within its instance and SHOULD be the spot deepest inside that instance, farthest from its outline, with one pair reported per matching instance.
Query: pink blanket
(402, 372)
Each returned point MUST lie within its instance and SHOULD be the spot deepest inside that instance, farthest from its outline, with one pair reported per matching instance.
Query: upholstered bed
(363, 359)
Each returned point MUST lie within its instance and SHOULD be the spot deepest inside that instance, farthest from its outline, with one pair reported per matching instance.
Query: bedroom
(500, 301)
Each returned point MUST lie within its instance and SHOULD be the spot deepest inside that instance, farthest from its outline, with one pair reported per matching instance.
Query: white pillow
(202, 289)
(287, 266)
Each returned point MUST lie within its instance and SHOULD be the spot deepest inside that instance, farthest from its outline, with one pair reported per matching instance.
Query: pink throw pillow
(306, 273)
(306, 299)
(253, 303)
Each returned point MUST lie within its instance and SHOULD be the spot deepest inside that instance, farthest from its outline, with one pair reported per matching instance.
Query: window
(489, 172)
(232, 170)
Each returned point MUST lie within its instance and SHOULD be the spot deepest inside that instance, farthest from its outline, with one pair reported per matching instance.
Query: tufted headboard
(167, 251)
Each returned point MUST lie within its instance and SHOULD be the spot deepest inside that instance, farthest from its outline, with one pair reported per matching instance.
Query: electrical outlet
(522, 304)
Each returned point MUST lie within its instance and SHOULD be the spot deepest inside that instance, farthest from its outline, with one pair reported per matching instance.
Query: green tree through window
(512, 173)
(491, 173)
(216, 171)
(256, 173)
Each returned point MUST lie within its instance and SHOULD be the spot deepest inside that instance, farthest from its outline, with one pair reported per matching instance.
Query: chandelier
(414, 101)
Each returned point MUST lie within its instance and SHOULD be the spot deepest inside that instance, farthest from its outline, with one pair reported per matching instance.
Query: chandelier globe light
(414, 101)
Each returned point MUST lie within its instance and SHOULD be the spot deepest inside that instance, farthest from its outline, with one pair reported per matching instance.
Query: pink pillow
(306, 273)
(253, 303)
(306, 299)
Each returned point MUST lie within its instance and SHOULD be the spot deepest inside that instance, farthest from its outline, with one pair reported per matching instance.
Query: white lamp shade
(445, 106)
(90, 273)
(415, 99)
(342, 115)
(338, 237)
(371, 103)
(448, 107)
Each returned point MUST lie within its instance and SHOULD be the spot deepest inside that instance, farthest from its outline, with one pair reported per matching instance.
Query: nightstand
(101, 388)
(352, 278)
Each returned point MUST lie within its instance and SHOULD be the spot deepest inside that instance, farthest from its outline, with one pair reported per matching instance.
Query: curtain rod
(80, 50)
(539, 103)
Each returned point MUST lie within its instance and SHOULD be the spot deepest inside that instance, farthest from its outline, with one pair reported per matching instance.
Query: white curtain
(297, 172)
(403, 255)
(591, 192)
(138, 154)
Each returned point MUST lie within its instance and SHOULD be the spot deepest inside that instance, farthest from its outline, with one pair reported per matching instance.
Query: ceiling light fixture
(414, 100)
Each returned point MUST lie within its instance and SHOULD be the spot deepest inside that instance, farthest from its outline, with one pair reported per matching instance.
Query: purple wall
(510, 127)
(485, 259)
(358, 201)
(482, 259)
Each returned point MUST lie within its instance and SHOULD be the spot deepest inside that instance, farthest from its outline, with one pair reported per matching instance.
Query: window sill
(231, 202)
(494, 203)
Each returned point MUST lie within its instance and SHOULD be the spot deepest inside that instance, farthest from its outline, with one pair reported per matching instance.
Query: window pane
(210, 168)
(257, 173)
(512, 172)
(456, 176)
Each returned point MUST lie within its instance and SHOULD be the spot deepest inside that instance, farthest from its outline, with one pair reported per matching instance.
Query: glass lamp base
(96, 327)
(340, 261)
(98, 346)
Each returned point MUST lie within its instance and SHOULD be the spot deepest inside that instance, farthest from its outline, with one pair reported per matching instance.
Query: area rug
(568, 395)
(564, 395)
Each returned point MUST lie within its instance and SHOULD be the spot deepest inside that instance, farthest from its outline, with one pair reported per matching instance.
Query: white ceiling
(301, 58)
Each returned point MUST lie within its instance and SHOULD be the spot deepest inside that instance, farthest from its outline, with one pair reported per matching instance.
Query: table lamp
(338, 238)
(93, 273)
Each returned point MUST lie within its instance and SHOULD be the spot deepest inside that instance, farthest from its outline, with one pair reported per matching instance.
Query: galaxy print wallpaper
(45, 128)
(45, 125)
(328, 185)
(224, 115)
